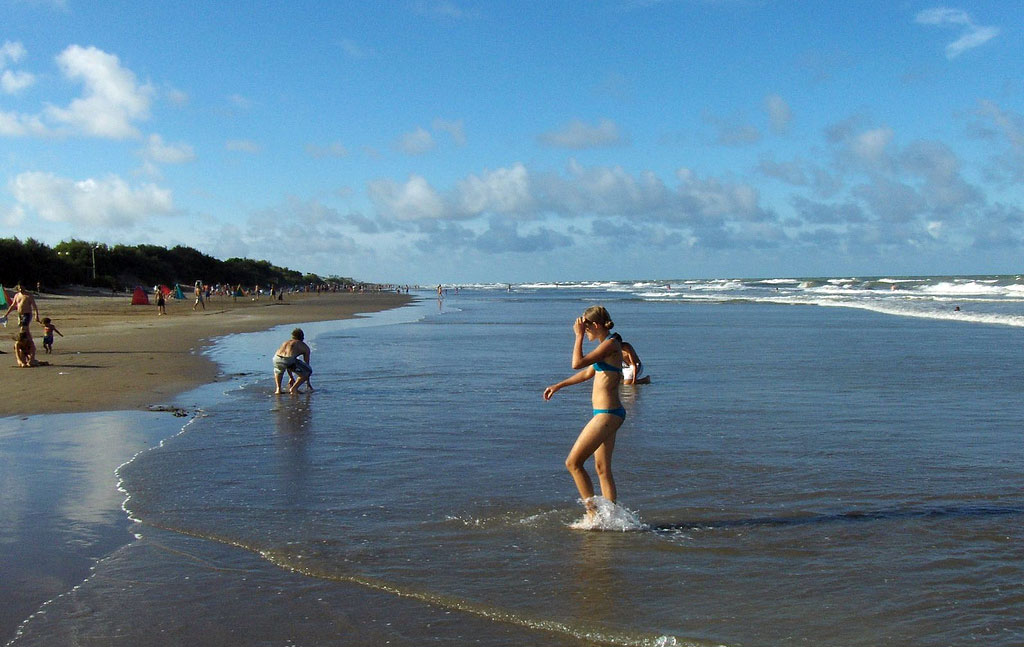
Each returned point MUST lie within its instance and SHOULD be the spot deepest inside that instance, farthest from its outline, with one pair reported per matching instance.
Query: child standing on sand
(597, 439)
(48, 330)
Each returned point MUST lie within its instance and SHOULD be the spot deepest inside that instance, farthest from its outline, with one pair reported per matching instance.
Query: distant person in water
(632, 367)
(597, 438)
(293, 357)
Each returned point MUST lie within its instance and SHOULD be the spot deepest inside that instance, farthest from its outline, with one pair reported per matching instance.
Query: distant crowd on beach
(204, 292)
(24, 304)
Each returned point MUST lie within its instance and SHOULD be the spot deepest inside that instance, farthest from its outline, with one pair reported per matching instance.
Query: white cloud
(15, 82)
(505, 191)
(870, 146)
(12, 81)
(582, 192)
(578, 135)
(158, 151)
(719, 200)
(413, 200)
(113, 99)
(15, 125)
(779, 112)
(108, 202)
(417, 142)
(974, 35)
(242, 146)
(11, 51)
(605, 190)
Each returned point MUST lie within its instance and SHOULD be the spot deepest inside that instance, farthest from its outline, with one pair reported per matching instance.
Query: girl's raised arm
(579, 360)
(582, 376)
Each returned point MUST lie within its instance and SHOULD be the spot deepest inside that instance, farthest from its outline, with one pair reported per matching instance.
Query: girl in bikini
(597, 439)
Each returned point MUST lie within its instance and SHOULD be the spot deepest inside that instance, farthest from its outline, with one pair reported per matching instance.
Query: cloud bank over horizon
(424, 183)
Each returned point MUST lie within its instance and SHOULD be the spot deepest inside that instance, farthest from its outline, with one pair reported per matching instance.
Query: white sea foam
(970, 287)
(609, 516)
(1016, 321)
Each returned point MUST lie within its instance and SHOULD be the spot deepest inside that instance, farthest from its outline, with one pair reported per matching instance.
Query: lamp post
(94, 262)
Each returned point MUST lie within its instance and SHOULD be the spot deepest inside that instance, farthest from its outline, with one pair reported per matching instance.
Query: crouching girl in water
(603, 364)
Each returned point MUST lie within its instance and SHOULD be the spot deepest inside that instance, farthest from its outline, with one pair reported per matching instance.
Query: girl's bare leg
(597, 432)
(603, 466)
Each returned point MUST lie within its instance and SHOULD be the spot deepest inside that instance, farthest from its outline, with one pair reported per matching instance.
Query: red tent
(165, 290)
(139, 297)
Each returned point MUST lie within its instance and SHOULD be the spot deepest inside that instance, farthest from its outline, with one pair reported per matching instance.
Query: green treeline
(79, 262)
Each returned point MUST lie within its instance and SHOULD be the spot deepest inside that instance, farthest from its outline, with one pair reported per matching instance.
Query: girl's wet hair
(599, 316)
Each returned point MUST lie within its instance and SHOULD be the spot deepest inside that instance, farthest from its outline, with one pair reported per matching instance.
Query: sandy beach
(116, 356)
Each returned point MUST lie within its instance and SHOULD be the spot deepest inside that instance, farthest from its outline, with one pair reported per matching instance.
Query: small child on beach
(48, 330)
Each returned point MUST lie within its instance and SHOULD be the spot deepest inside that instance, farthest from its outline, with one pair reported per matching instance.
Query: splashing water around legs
(603, 514)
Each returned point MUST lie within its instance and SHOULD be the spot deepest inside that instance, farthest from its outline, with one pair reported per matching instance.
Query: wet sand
(60, 509)
(116, 356)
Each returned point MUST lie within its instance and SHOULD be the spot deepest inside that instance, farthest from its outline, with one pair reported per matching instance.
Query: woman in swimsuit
(598, 436)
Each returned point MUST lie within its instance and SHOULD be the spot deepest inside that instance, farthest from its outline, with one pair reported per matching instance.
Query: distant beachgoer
(632, 367)
(293, 357)
(25, 305)
(956, 309)
(161, 302)
(25, 349)
(48, 330)
(199, 296)
(597, 438)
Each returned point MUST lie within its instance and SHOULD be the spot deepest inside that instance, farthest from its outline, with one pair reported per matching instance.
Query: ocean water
(795, 474)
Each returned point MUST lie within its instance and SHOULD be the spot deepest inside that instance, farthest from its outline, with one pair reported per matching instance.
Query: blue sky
(429, 141)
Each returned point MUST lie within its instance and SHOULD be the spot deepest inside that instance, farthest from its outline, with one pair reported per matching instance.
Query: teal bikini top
(601, 367)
